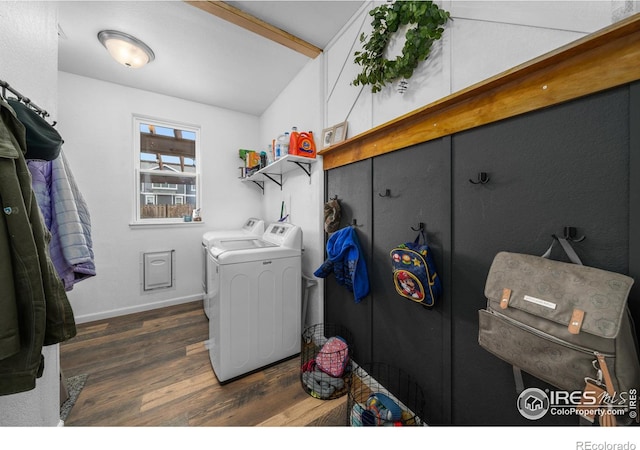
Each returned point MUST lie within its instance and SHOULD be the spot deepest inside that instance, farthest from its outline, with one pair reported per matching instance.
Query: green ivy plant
(428, 20)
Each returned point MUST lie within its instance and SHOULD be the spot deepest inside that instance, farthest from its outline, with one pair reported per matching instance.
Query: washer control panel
(284, 235)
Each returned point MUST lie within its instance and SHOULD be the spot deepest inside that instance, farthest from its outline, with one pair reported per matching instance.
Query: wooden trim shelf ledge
(602, 60)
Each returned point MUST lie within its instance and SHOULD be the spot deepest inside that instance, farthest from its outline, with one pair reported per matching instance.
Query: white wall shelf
(275, 170)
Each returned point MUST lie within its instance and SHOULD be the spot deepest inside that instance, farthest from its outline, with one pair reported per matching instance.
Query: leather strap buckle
(575, 323)
(504, 300)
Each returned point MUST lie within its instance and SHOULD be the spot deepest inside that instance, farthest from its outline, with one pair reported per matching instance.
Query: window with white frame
(167, 173)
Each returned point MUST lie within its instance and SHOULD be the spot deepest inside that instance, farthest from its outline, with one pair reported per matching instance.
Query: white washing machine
(255, 308)
(252, 227)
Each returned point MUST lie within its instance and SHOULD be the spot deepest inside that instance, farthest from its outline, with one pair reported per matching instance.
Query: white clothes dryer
(255, 307)
(252, 227)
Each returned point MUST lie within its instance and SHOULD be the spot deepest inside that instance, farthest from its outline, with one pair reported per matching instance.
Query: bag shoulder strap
(571, 253)
(420, 235)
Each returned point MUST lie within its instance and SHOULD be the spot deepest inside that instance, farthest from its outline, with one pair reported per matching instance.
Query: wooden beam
(600, 61)
(159, 159)
(162, 177)
(167, 145)
(255, 25)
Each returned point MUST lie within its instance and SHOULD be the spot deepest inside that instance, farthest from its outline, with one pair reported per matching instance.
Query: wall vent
(157, 270)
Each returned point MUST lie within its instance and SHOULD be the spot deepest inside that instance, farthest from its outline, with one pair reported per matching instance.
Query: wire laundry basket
(325, 361)
(382, 395)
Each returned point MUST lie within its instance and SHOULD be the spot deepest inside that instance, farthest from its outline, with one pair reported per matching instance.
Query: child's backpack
(414, 272)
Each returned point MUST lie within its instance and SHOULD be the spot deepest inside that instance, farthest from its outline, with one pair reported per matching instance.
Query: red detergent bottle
(293, 141)
(306, 145)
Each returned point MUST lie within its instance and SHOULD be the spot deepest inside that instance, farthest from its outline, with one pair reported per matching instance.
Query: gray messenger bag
(560, 322)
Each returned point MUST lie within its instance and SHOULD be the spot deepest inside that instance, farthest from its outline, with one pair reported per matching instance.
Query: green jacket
(34, 309)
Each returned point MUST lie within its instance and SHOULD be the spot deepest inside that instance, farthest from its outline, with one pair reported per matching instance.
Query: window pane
(164, 148)
(168, 172)
(166, 196)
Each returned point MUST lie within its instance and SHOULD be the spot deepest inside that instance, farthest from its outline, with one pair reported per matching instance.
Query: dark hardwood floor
(152, 369)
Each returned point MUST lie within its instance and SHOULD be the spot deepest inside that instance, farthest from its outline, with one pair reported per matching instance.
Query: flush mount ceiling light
(126, 49)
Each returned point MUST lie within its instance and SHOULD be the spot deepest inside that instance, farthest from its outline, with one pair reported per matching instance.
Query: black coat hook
(483, 178)
(355, 223)
(387, 193)
(420, 227)
(570, 235)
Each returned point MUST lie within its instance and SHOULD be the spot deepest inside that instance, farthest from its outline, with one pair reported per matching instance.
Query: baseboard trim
(137, 308)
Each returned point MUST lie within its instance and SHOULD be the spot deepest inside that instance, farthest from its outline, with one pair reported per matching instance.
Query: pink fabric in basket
(333, 357)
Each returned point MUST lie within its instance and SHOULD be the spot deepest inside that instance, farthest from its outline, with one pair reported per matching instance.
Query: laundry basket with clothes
(325, 361)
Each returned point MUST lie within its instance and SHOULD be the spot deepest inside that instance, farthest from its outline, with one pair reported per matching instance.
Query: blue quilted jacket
(67, 217)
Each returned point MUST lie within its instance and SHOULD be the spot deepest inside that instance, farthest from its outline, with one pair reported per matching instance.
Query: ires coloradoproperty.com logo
(534, 403)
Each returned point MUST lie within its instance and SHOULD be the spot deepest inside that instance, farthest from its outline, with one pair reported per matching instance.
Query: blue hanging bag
(414, 272)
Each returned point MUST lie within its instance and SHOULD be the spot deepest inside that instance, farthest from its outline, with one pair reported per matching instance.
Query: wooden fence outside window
(165, 211)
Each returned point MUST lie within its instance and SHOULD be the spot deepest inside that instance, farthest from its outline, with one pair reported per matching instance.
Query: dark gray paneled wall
(562, 166)
(407, 192)
(568, 165)
(352, 187)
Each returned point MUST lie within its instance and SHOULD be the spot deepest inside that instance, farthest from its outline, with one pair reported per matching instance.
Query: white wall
(29, 63)
(299, 105)
(484, 39)
(96, 122)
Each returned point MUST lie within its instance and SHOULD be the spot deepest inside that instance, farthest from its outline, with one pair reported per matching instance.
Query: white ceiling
(198, 56)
